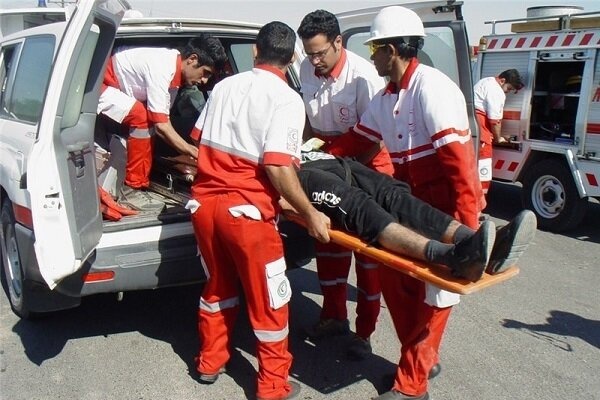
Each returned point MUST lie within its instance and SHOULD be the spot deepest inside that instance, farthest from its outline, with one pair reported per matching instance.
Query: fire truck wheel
(549, 191)
(12, 272)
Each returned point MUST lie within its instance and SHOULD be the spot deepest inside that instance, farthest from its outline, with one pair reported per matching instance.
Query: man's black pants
(362, 201)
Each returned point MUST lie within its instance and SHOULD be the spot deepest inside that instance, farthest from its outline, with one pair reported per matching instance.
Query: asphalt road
(536, 336)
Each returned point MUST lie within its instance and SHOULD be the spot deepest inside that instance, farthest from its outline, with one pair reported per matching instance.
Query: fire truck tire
(12, 271)
(549, 191)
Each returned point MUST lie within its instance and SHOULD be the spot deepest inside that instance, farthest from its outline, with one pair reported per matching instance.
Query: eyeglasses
(374, 47)
(319, 55)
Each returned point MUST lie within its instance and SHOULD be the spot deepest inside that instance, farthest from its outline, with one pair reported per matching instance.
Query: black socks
(438, 252)
(463, 232)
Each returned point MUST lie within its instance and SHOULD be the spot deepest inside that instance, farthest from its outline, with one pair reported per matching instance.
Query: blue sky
(292, 11)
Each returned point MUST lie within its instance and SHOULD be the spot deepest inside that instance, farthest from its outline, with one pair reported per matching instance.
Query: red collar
(272, 69)
(337, 68)
(176, 81)
(392, 87)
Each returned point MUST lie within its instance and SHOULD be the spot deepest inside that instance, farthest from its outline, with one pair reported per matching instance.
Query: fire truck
(553, 123)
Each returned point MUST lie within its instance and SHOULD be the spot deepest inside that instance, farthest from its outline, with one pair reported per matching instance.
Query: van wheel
(12, 270)
(549, 191)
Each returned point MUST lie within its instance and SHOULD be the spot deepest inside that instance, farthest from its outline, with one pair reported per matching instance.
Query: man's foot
(359, 348)
(209, 379)
(471, 255)
(140, 200)
(328, 327)
(292, 394)
(435, 371)
(394, 395)
(511, 241)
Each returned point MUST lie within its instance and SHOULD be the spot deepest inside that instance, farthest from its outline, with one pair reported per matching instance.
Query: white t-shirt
(335, 103)
(489, 98)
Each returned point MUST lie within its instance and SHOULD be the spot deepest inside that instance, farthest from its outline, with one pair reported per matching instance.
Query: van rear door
(61, 173)
(446, 45)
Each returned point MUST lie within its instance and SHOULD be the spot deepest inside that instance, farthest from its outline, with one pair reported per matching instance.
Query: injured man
(381, 210)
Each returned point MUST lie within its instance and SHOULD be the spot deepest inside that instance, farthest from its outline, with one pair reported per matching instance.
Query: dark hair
(275, 44)
(406, 49)
(209, 50)
(512, 77)
(319, 22)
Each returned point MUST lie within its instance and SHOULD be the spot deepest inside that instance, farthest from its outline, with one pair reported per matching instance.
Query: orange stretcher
(437, 275)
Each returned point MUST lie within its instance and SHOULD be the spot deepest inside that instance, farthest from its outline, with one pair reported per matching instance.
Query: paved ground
(534, 337)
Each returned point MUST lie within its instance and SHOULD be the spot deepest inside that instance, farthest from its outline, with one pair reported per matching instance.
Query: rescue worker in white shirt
(336, 87)
(421, 116)
(139, 87)
(250, 137)
(489, 97)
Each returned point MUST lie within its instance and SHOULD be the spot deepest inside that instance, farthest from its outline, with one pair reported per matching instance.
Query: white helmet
(396, 21)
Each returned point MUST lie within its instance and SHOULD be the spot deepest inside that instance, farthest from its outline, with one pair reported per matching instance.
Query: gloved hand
(110, 209)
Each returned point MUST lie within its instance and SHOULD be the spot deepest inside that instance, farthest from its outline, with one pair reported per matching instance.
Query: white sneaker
(139, 199)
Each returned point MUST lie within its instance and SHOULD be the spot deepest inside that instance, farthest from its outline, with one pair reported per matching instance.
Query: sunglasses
(374, 47)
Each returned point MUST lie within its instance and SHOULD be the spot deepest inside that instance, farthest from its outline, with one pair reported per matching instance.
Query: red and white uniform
(140, 85)
(425, 127)
(334, 105)
(489, 101)
(251, 120)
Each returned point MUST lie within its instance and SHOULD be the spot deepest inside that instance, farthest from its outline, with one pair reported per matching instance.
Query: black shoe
(292, 394)
(209, 379)
(394, 395)
(359, 348)
(471, 255)
(435, 371)
(328, 327)
(511, 241)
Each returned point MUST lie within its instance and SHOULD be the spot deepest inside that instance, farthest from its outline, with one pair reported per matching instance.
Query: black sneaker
(471, 256)
(140, 200)
(434, 371)
(328, 327)
(292, 394)
(209, 379)
(511, 241)
(395, 395)
(359, 348)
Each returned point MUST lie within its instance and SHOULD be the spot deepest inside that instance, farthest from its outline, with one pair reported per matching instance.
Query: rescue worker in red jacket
(489, 97)
(337, 86)
(250, 137)
(421, 116)
(139, 87)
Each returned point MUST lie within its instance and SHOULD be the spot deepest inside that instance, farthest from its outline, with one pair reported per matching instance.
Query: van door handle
(580, 56)
(77, 153)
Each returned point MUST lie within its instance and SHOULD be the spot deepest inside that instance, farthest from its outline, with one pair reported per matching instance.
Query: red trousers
(419, 327)
(485, 150)
(333, 267)
(139, 140)
(234, 250)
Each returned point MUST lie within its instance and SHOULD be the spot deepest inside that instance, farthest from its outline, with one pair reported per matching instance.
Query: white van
(55, 246)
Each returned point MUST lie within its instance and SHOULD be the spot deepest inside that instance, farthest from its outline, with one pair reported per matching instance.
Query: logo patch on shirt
(292, 140)
(328, 198)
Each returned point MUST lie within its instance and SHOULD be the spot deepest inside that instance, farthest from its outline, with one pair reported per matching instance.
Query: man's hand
(500, 139)
(191, 151)
(317, 225)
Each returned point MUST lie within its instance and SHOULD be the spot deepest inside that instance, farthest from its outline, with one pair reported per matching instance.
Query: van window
(242, 56)
(9, 60)
(26, 98)
(439, 50)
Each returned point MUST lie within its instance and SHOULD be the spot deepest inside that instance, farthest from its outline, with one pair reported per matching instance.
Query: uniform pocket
(278, 284)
